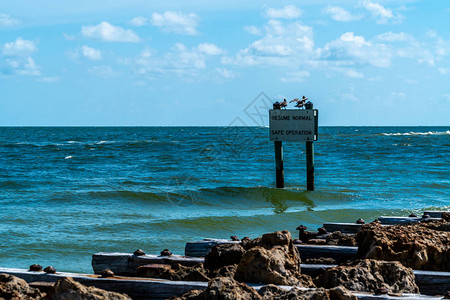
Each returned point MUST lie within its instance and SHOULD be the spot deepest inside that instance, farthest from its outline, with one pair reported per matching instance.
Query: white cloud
(20, 47)
(446, 96)
(210, 49)
(297, 76)
(227, 74)
(139, 21)
(7, 20)
(109, 33)
(351, 49)
(253, 30)
(22, 66)
(91, 53)
(287, 12)
(282, 45)
(176, 22)
(380, 13)
(186, 63)
(339, 14)
(394, 37)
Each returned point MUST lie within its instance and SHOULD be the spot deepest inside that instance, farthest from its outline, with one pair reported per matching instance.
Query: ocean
(68, 192)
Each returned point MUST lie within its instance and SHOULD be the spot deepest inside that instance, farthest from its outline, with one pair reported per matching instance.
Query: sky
(219, 63)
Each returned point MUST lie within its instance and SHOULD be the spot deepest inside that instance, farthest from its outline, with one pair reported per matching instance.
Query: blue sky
(170, 62)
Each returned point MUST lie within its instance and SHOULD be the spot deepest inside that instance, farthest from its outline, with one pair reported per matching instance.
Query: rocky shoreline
(384, 265)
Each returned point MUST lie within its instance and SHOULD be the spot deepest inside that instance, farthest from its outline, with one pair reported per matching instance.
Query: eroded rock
(277, 265)
(222, 288)
(423, 245)
(223, 255)
(370, 276)
(12, 287)
(277, 293)
(69, 289)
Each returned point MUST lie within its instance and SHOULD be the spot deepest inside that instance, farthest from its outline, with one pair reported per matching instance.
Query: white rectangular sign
(293, 124)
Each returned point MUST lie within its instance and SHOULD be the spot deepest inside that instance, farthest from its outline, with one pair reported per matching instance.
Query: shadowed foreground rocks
(12, 287)
(225, 288)
(423, 245)
(371, 276)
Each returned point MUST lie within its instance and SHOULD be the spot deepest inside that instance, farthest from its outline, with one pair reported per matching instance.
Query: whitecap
(68, 157)
(413, 133)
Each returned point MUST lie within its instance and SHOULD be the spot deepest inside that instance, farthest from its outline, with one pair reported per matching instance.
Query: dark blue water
(66, 193)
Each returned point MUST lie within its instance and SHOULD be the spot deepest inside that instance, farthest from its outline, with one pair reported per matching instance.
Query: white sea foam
(68, 157)
(418, 133)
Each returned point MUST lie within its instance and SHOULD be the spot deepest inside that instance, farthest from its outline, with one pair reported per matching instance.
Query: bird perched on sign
(300, 102)
(283, 104)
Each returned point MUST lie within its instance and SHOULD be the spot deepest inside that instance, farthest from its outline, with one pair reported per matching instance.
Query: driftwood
(126, 263)
(137, 288)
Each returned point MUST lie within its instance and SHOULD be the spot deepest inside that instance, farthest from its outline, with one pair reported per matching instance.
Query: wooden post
(279, 163)
(279, 157)
(310, 166)
(309, 159)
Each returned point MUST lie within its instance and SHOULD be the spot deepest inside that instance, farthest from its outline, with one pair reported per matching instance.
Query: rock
(222, 288)
(223, 255)
(166, 252)
(194, 273)
(412, 215)
(422, 245)
(338, 238)
(191, 295)
(278, 265)
(321, 261)
(15, 288)
(155, 271)
(68, 289)
(370, 276)
(107, 273)
(227, 288)
(234, 238)
(317, 242)
(35, 268)
(249, 243)
(277, 238)
(226, 271)
(447, 295)
(274, 292)
(275, 260)
(50, 270)
(175, 273)
(297, 242)
(322, 231)
(139, 252)
(360, 221)
(446, 216)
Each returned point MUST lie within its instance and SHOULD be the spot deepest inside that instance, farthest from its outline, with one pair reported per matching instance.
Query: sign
(298, 125)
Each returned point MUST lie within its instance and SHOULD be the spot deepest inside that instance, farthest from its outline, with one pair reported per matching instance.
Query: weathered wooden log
(342, 227)
(146, 288)
(126, 263)
(388, 220)
(338, 253)
(201, 248)
(137, 288)
(432, 282)
(434, 213)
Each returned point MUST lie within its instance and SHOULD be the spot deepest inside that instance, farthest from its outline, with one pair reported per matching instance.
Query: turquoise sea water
(66, 193)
